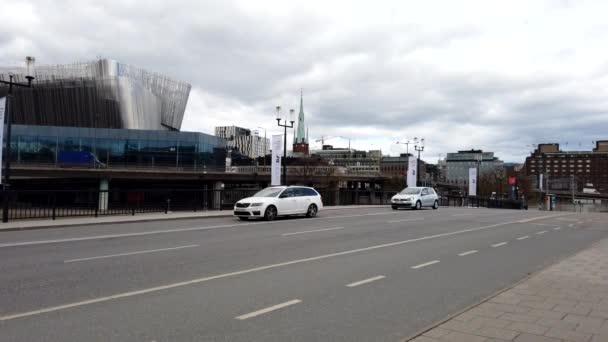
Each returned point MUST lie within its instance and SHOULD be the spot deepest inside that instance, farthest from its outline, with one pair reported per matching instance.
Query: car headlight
(256, 204)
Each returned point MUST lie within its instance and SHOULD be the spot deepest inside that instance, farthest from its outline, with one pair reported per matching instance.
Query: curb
(496, 293)
(144, 219)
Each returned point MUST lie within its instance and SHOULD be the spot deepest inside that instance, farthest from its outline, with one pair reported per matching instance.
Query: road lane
(389, 309)
(105, 278)
(222, 251)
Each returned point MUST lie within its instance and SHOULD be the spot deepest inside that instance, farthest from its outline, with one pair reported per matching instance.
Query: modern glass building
(117, 114)
(114, 148)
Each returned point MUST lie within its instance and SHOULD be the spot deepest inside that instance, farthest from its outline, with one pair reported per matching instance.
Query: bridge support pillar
(334, 187)
(104, 187)
(217, 194)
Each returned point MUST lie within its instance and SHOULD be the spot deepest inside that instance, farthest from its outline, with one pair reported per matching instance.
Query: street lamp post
(285, 126)
(407, 145)
(419, 147)
(29, 62)
(264, 160)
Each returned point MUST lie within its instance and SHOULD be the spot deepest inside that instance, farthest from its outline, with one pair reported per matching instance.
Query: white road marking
(164, 231)
(312, 231)
(571, 225)
(250, 270)
(499, 244)
(542, 224)
(557, 228)
(467, 253)
(269, 309)
(538, 218)
(567, 219)
(365, 281)
(413, 219)
(425, 264)
(541, 232)
(130, 253)
(458, 215)
(523, 237)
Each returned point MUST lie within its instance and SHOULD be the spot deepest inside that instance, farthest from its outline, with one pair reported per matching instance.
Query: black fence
(45, 204)
(41, 204)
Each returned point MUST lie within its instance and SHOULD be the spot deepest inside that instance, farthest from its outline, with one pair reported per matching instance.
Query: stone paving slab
(566, 302)
(89, 220)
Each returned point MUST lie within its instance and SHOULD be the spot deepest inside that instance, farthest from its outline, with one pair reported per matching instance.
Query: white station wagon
(279, 201)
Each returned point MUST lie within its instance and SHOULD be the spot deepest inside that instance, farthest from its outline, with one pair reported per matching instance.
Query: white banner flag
(412, 169)
(2, 108)
(473, 181)
(540, 182)
(277, 151)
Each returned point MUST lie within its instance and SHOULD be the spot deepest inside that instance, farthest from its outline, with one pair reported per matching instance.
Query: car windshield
(268, 192)
(410, 191)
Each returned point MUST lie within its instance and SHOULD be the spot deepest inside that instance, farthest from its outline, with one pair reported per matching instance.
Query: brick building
(584, 167)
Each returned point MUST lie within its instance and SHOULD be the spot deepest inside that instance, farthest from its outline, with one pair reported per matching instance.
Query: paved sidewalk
(565, 302)
(89, 220)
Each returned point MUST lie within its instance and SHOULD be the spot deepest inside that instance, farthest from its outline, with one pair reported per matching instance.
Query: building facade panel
(102, 94)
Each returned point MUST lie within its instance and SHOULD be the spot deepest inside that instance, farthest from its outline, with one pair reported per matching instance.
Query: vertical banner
(540, 182)
(412, 167)
(473, 181)
(2, 108)
(277, 151)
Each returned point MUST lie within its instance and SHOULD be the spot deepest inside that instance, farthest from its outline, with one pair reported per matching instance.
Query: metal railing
(52, 204)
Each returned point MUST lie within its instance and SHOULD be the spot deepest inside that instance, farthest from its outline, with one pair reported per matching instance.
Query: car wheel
(270, 213)
(436, 205)
(418, 205)
(312, 211)
(394, 207)
(243, 218)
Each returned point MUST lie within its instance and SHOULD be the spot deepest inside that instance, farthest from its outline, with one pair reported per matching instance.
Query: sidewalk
(89, 220)
(565, 302)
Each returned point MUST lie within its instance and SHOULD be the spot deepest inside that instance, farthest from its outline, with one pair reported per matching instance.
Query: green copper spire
(301, 137)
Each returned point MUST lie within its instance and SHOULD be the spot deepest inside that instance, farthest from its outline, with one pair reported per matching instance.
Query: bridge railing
(52, 204)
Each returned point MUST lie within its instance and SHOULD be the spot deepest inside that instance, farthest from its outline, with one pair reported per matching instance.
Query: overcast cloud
(495, 75)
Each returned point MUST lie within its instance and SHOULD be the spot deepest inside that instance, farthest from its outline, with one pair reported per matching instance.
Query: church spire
(300, 137)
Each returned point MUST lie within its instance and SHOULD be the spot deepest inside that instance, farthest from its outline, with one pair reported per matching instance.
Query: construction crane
(325, 137)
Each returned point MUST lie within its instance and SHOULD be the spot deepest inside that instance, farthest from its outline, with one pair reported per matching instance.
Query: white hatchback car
(279, 201)
(415, 198)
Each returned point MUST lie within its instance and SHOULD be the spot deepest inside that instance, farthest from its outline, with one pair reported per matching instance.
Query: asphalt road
(348, 275)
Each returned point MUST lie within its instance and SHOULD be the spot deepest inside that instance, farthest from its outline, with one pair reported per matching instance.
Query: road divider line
(541, 232)
(467, 253)
(129, 253)
(413, 219)
(528, 220)
(312, 231)
(557, 228)
(365, 281)
(246, 271)
(425, 264)
(523, 237)
(269, 309)
(166, 231)
(499, 244)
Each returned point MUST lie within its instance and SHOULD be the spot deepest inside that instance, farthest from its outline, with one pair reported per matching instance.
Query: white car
(415, 198)
(279, 201)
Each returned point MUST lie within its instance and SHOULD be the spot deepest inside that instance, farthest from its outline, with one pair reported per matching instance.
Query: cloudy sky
(495, 75)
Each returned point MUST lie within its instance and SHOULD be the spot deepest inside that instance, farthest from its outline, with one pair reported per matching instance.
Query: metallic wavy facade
(98, 94)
